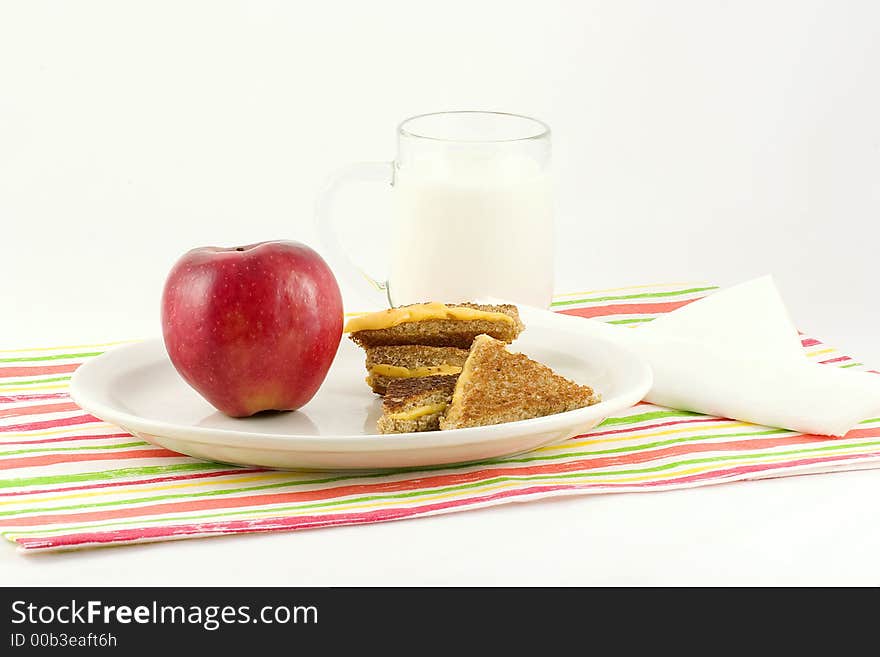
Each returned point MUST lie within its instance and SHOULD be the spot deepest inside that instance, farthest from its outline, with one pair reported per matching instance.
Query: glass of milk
(472, 211)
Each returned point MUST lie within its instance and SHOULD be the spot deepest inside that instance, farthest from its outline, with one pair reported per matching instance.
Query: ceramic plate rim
(80, 384)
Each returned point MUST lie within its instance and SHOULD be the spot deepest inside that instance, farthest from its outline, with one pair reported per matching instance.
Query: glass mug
(472, 211)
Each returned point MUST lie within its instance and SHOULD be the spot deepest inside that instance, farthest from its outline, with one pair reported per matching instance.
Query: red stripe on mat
(627, 309)
(64, 439)
(38, 409)
(37, 369)
(52, 459)
(14, 399)
(50, 424)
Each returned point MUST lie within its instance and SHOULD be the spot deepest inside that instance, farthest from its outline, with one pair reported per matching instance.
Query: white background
(701, 140)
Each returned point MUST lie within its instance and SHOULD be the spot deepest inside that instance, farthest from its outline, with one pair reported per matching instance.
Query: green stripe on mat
(643, 295)
(630, 321)
(103, 475)
(34, 382)
(25, 359)
(73, 449)
(642, 417)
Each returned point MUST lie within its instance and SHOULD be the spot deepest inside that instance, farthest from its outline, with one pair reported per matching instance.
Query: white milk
(466, 228)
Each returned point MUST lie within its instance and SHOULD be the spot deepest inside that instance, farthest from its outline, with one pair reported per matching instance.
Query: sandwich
(498, 386)
(435, 325)
(415, 404)
(389, 363)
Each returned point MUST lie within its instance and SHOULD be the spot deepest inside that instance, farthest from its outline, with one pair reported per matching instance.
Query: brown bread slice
(497, 386)
(413, 396)
(410, 357)
(445, 332)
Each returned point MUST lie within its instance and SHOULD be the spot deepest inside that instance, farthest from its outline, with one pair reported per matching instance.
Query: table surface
(810, 529)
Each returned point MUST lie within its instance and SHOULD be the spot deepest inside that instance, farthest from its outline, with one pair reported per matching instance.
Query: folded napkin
(737, 354)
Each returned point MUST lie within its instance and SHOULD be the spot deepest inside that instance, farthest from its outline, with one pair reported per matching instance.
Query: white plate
(137, 388)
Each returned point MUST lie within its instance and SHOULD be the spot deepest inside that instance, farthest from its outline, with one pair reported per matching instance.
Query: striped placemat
(68, 480)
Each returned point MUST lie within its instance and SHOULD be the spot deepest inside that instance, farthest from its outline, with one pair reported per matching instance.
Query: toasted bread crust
(497, 386)
(409, 356)
(445, 332)
(414, 355)
(409, 394)
(404, 394)
(430, 422)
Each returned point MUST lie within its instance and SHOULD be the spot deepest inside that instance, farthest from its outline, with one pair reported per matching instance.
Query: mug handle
(369, 287)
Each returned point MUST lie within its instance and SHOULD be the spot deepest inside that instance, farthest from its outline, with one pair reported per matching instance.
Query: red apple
(252, 328)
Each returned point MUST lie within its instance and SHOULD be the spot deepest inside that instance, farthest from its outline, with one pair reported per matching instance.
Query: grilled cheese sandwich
(386, 363)
(497, 386)
(435, 324)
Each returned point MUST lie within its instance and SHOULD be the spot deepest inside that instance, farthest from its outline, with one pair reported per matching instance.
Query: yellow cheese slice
(418, 412)
(398, 372)
(418, 313)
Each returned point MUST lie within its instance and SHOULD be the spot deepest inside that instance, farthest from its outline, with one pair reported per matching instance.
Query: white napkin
(737, 354)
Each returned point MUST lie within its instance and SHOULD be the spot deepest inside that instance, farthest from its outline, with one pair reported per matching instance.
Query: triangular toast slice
(497, 386)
